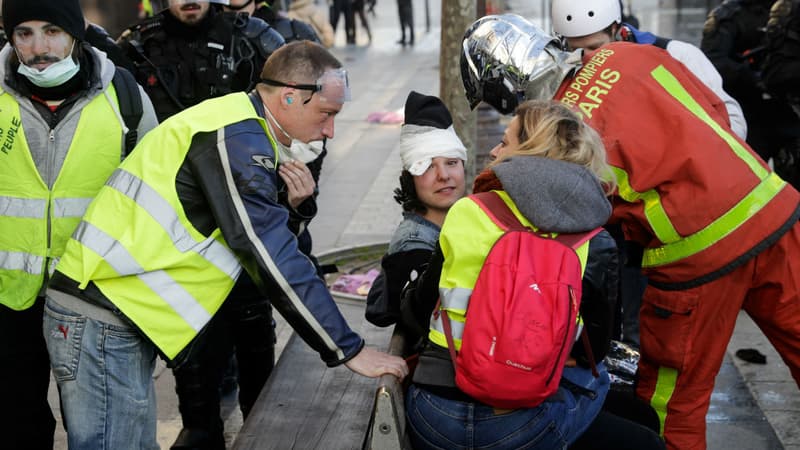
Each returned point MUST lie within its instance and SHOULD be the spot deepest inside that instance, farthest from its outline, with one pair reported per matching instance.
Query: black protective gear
(180, 65)
(734, 39)
(290, 29)
(781, 70)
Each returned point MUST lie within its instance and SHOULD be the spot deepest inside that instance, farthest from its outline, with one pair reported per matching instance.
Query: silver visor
(333, 86)
(506, 59)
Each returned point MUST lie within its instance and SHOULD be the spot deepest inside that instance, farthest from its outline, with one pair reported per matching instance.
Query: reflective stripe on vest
(28, 206)
(467, 217)
(139, 248)
(675, 246)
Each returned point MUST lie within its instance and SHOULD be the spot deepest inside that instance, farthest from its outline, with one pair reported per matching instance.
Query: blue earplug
(288, 100)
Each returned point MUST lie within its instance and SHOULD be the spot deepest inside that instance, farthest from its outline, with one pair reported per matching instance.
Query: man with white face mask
(62, 136)
(150, 269)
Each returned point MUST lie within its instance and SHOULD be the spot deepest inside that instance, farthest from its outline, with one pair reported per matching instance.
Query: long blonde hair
(550, 129)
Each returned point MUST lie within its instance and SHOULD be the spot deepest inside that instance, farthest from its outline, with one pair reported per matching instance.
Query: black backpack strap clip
(130, 105)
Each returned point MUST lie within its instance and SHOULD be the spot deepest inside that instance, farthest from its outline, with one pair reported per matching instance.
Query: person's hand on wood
(372, 363)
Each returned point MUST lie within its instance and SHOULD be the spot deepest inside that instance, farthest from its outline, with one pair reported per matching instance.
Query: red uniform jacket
(668, 133)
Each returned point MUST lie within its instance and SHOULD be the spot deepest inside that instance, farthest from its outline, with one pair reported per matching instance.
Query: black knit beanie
(66, 14)
(426, 110)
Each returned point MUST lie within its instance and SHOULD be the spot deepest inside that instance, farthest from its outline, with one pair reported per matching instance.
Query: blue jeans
(439, 423)
(105, 378)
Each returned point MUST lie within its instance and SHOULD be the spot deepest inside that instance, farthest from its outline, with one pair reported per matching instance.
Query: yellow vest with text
(36, 220)
(137, 245)
(467, 236)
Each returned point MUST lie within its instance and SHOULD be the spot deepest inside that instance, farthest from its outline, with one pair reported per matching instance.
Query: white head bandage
(420, 144)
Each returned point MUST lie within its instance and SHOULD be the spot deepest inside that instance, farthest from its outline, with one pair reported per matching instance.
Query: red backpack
(522, 314)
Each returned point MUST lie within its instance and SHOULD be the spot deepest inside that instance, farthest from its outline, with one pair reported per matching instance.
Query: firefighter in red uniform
(720, 229)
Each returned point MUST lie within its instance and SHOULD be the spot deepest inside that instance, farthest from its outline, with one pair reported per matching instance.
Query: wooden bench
(307, 405)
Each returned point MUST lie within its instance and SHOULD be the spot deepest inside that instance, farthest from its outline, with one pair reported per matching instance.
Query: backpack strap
(587, 347)
(493, 205)
(130, 105)
(448, 330)
(575, 240)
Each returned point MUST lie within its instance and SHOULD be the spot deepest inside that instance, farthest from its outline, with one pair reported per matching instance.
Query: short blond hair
(551, 130)
(299, 62)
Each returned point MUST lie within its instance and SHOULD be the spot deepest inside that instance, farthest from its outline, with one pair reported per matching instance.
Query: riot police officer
(781, 75)
(187, 53)
(290, 29)
(733, 39)
(192, 51)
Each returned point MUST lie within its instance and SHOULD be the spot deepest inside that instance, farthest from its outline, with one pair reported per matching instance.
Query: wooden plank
(306, 405)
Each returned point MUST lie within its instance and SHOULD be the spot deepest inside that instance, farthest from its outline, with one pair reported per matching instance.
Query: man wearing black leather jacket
(189, 52)
(214, 199)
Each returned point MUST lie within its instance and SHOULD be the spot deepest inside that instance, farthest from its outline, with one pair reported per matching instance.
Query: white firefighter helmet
(576, 18)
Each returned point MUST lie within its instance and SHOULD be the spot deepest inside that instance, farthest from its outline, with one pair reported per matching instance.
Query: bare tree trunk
(457, 15)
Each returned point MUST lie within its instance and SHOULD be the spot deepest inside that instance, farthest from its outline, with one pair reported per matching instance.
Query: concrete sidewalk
(753, 406)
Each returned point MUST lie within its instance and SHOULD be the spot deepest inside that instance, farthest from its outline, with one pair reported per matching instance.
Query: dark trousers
(406, 14)
(358, 8)
(344, 7)
(244, 324)
(611, 431)
(26, 421)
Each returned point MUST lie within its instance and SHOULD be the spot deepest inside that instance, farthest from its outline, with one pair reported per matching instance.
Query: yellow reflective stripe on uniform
(653, 209)
(665, 386)
(717, 230)
(675, 89)
(162, 212)
(677, 248)
(24, 262)
(70, 207)
(118, 257)
(28, 208)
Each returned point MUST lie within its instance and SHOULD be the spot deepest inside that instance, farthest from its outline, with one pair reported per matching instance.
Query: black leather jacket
(233, 185)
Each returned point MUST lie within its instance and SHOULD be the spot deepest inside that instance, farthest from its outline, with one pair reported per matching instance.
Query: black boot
(195, 439)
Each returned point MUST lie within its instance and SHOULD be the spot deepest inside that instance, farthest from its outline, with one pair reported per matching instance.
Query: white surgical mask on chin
(53, 75)
(305, 152)
(297, 150)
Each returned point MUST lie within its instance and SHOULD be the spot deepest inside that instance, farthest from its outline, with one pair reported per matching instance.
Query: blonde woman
(550, 169)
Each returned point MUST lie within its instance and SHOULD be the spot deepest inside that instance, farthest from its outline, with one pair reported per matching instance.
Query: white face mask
(298, 150)
(301, 151)
(53, 75)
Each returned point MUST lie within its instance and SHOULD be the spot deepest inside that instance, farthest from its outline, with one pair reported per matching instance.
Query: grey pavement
(753, 406)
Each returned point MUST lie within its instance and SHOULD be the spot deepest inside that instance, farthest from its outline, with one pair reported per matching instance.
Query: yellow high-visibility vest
(36, 220)
(137, 245)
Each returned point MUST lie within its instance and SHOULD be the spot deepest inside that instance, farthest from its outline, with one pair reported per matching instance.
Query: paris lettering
(591, 85)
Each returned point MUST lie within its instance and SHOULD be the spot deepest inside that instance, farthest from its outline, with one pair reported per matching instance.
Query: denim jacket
(414, 232)
(409, 250)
